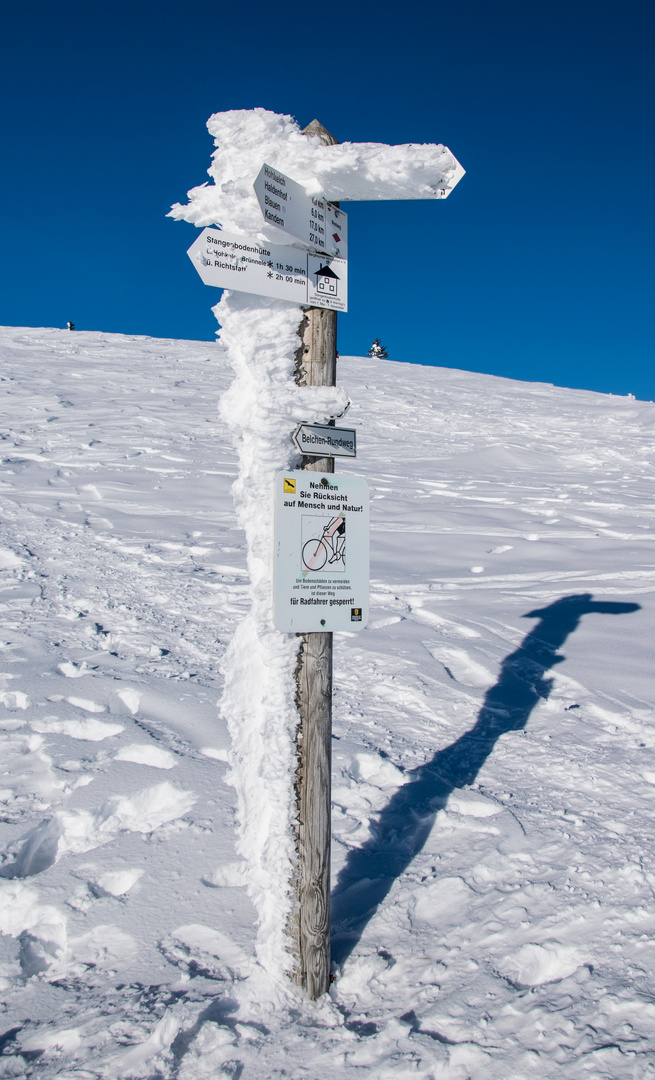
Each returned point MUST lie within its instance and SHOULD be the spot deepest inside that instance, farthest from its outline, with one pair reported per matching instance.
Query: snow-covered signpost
(283, 241)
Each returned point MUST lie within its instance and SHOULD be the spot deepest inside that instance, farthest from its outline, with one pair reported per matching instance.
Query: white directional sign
(313, 221)
(320, 440)
(228, 261)
(321, 552)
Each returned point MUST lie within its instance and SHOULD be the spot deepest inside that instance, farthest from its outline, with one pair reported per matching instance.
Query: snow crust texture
(248, 138)
(494, 768)
(262, 408)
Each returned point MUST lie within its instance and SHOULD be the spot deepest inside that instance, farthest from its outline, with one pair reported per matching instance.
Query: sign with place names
(310, 219)
(321, 552)
(236, 262)
(321, 440)
(228, 261)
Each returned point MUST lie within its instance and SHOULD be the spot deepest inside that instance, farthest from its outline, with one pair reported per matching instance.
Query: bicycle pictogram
(328, 548)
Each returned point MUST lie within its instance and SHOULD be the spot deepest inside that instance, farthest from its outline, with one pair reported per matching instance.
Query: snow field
(493, 788)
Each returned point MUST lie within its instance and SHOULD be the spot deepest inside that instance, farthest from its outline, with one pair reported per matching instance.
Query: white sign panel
(321, 552)
(321, 440)
(314, 221)
(327, 283)
(228, 261)
(236, 262)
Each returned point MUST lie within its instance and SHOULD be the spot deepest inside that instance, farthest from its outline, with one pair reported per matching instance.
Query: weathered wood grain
(316, 365)
(314, 816)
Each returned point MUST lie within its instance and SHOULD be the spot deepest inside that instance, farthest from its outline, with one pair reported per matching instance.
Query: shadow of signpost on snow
(404, 825)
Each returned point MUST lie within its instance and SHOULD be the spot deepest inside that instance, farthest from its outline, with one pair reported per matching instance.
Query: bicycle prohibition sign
(328, 548)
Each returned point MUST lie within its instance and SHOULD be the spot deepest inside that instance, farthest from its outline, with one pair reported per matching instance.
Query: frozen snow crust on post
(518, 940)
(263, 765)
(246, 138)
(262, 408)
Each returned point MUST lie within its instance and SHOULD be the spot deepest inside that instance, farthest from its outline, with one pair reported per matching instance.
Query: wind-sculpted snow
(261, 408)
(494, 769)
(246, 138)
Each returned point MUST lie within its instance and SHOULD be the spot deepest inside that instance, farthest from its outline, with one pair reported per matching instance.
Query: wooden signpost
(316, 365)
(316, 275)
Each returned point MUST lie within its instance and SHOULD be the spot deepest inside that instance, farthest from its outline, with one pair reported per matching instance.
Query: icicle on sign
(281, 271)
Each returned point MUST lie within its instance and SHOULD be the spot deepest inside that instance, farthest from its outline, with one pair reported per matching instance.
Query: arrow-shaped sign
(318, 440)
(312, 220)
(282, 271)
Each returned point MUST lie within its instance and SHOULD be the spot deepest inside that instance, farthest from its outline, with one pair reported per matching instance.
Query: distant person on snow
(70, 325)
(378, 350)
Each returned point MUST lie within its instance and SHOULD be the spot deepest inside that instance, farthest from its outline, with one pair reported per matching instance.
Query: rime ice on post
(262, 407)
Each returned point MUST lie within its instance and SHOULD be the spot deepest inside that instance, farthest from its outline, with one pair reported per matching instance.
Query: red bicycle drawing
(328, 548)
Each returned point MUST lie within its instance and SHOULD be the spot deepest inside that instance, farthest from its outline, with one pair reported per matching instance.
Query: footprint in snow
(113, 882)
(534, 965)
(460, 666)
(73, 671)
(144, 754)
(14, 699)
(205, 951)
(87, 729)
(229, 876)
(77, 831)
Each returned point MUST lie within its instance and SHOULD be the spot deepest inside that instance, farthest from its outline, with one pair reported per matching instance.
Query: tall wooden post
(316, 366)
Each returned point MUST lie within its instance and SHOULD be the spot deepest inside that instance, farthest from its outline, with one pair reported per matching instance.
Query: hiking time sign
(281, 271)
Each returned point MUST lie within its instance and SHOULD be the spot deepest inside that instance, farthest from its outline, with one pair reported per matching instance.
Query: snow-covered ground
(494, 843)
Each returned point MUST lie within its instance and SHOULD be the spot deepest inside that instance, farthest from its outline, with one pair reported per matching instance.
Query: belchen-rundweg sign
(320, 440)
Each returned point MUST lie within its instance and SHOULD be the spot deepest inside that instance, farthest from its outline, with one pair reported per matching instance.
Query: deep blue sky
(539, 265)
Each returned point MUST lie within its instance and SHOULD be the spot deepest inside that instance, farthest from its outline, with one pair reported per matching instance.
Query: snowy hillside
(505, 680)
